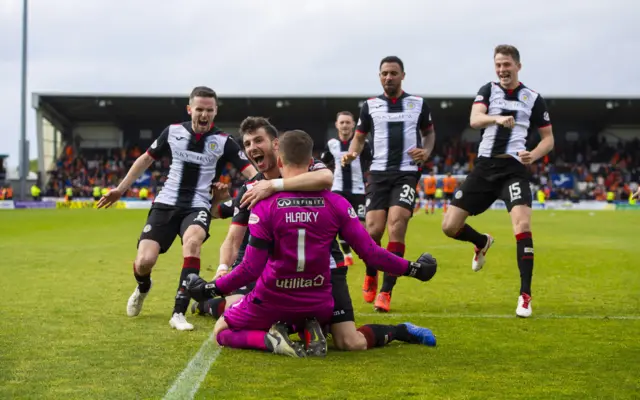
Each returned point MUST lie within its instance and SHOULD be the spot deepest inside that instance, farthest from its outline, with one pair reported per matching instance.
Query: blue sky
(310, 47)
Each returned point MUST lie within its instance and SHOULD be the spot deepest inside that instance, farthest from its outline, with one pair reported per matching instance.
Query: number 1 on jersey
(302, 238)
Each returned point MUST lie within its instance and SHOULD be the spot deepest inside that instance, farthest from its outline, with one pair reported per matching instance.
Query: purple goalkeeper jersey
(290, 248)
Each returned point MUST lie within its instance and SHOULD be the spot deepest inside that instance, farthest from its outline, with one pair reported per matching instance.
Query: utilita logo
(300, 283)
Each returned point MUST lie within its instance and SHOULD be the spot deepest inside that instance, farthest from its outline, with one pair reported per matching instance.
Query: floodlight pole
(24, 153)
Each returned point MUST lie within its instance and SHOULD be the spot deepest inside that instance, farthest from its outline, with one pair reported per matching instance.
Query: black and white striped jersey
(528, 109)
(350, 178)
(196, 160)
(395, 125)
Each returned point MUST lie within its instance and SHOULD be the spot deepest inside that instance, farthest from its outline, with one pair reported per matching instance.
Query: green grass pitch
(66, 276)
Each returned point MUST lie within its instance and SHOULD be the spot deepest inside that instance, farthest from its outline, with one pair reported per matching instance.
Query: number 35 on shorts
(408, 194)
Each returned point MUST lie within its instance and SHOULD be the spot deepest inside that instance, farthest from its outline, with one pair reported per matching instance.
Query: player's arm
(237, 157)
(158, 148)
(479, 118)
(373, 255)
(235, 235)
(427, 132)
(257, 255)
(540, 119)
(318, 178)
(231, 245)
(363, 128)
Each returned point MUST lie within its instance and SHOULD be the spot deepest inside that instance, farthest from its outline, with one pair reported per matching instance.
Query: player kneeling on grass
(260, 139)
(290, 239)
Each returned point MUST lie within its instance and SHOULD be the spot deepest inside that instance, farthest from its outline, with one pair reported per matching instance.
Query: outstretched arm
(357, 237)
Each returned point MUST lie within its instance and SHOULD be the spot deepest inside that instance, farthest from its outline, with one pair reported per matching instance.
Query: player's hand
(110, 198)
(424, 268)
(199, 289)
(220, 192)
(222, 271)
(348, 158)
(506, 120)
(261, 190)
(636, 195)
(418, 155)
(525, 157)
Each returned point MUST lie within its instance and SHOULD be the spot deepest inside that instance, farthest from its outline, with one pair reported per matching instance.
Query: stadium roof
(72, 108)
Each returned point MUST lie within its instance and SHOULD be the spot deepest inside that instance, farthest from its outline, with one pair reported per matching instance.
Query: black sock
(525, 260)
(144, 282)
(390, 280)
(346, 249)
(378, 335)
(215, 307)
(468, 234)
(373, 271)
(191, 266)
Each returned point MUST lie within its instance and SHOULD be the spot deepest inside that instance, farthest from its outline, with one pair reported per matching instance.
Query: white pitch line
(499, 316)
(188, 382)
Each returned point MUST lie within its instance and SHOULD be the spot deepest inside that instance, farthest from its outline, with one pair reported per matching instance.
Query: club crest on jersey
(287, 202)
(352, 213)
(411, 105)
(212, 146)
(254, 219)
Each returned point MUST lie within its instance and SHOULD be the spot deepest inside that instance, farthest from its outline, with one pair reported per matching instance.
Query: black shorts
(165, 222)
(492, 179)
(388, 189)
(357, 201)
(342, 306)
(431, 196)
(448, 196)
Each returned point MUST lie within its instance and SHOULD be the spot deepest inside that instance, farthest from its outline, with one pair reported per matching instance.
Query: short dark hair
(507, 50)
(252, 124)
(296, 147)
(203, 91)
(392, 59)
(347, 113)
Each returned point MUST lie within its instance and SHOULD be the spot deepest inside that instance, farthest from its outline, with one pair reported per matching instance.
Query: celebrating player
(292, 233)
(260, 139)
(183, 207)
(403, 138)
(505, 111)
(348, 179)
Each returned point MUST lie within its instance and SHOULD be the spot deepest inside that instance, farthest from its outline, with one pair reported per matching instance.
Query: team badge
(212, 146)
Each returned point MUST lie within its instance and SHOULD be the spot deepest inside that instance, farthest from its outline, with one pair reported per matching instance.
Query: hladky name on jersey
(192, 157)
(300, 283)
(287, 202)
(301, 216)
